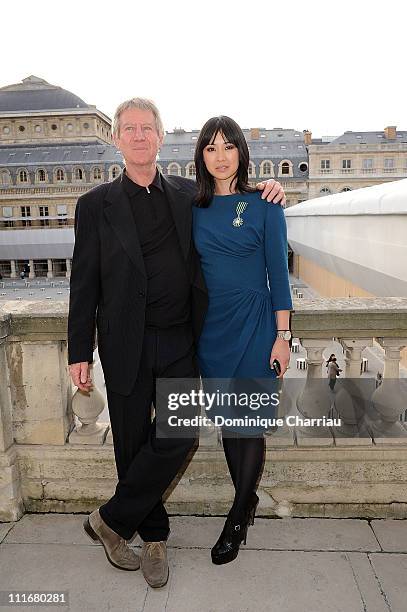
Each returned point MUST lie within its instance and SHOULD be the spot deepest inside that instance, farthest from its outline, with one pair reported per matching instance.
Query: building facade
(53, 148)
(356, 159)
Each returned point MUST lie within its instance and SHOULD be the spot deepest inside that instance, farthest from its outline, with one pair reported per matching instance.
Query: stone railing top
(312, 318)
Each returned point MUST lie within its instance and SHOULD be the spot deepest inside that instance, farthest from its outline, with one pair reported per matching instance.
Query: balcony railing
(56, 454)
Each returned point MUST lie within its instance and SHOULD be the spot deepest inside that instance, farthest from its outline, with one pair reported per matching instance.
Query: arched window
(325, 190)
(266, 168)
(60, 175)
(174, 169)
(23, 176)
(285, 168)
(114, 172)
(346, 189)
(41, 176)
(251, 169)
(191, 170)
(97, 174)
(78, 174)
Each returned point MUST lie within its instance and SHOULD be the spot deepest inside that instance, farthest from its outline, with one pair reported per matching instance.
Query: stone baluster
(87, 407)
(389, 401)
(314, 401)
(346, 405)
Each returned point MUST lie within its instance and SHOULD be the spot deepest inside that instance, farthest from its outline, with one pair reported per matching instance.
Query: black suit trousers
(147, 464)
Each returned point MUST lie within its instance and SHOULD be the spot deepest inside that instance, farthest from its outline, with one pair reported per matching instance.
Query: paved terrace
(288, 565)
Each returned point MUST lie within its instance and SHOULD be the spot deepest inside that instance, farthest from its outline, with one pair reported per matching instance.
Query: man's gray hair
(142, 104)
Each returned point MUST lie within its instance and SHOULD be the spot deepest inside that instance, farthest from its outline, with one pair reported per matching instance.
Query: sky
(323, 66)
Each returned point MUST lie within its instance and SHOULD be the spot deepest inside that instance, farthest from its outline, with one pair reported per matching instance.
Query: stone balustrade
(56, 455)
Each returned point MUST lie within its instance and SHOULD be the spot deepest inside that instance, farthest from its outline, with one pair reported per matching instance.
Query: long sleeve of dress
(276, 251)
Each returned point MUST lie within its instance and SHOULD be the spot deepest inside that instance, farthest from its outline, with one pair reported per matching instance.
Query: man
(135, 273)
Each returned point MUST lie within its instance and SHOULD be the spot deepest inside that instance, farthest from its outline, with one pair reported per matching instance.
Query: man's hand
(272, 191)
(81, 376)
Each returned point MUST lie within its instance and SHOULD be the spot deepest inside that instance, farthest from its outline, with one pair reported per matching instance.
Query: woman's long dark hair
(232, 133)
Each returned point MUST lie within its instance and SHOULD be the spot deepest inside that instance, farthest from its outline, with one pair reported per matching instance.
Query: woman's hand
(281, 352)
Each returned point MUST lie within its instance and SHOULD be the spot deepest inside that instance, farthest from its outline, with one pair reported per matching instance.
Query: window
(78, 173)
(62, 214)
(303, 166)
(252, 169)
(285, 168)
(21, 128)
(114, 172)
(265, 168)
(346, 164)
(5, 177)
(368, 163)
(6, 129)
(325, 164)
(389, 164)
(37, 129)
(54, 127)
(41, 175)
(174, 169)
(44, 212)
(60, 174)
(26, 212)
(97, 174)
(346, 189)
(23, 176)
(191, 170)
(7, 211)
(325, 190)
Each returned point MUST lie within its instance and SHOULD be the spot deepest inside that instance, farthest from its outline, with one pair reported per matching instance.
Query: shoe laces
(156, 549)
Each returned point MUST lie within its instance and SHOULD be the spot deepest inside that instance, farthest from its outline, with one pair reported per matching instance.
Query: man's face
(138, 139)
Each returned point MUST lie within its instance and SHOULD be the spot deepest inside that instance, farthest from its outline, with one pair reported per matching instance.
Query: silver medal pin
(240, 208)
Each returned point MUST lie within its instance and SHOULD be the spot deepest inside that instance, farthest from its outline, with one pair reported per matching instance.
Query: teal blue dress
(242, 243)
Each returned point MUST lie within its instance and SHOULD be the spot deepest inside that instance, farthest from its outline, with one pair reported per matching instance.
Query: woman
(241, 241)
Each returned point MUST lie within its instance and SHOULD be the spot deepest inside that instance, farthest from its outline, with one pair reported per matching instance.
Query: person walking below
(333, 372)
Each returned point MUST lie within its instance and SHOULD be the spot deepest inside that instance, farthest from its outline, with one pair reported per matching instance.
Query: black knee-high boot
(245, 460)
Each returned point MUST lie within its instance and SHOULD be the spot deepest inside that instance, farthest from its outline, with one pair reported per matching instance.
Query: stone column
(13, 273)
(11, 503)
(32, 269)
(39, 383)
(315, 399)
(50, 273)
(68, 268)
(388, 401)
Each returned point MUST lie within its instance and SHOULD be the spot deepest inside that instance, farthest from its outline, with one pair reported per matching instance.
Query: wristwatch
(285, 334)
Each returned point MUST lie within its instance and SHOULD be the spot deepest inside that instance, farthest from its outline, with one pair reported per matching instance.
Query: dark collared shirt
(168, 287)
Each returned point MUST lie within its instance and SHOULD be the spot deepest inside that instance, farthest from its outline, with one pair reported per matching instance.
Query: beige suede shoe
(154, 563)
(116, 549)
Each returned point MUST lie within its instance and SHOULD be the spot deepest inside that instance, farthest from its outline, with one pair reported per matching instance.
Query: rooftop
(35, 94)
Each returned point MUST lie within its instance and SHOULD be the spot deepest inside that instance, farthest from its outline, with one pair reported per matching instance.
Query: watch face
(287, 335)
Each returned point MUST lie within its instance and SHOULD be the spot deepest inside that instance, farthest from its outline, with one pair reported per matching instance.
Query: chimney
(254, 133)
(390, 132)
(307, 137)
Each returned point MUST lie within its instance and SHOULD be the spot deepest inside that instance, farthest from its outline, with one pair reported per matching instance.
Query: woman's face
(221, 158)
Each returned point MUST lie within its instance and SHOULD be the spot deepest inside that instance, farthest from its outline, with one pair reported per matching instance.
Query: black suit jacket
(108, 284)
